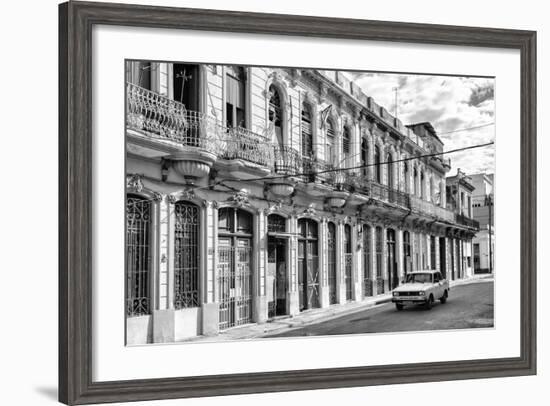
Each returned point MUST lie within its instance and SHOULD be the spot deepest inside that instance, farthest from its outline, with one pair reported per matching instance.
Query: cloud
(481, 94)
(450, 103)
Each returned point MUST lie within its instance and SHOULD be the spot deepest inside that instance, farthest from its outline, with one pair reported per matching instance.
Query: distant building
(483, 210)
(459, 200)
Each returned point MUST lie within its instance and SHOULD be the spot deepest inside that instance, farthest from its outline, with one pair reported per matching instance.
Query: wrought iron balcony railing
(466, 221)
(287, 161)
(240, 143)
(428, 208)
(167, 119)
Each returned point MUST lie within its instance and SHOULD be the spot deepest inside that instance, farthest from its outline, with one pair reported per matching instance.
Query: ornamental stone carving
(310, 211)
(134, 183)
(240, 198)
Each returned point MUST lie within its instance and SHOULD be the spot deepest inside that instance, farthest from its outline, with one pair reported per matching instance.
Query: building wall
(222, 188)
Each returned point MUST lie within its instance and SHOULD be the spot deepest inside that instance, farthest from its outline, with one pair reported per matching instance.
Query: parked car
(421, 287)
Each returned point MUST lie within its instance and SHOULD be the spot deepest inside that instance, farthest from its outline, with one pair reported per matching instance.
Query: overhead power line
(467, 128)
(367, 165)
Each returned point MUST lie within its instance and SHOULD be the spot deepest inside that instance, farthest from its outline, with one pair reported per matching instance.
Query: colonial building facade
(255, 193)
(483, 212)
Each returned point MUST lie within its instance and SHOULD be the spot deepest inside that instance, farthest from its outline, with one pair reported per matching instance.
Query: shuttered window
(235, 80)
(307, 133)
(330, 141)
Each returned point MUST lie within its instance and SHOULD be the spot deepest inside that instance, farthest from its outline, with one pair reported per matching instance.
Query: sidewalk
(313, 316)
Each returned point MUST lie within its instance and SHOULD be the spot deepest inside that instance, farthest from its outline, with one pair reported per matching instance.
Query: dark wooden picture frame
(76, 20)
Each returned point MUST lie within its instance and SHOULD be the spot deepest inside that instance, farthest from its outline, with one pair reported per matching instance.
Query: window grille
(234, 280)
(186, 266)
(379, 250)
(367, 260)
(138, 261)
(348, 262)
(276, 223)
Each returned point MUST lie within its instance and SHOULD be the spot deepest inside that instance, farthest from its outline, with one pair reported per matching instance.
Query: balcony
(427, 208)
(189, 139)
(194, 141)
(240, 143)
(287, 161)
(169, 120)
(466, 221)
(244, 154)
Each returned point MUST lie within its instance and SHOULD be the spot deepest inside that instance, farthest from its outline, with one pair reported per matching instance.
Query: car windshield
(419, 278)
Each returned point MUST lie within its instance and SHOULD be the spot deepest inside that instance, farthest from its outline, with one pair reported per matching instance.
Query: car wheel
(444, 297)
(429, 302)
(399, 306)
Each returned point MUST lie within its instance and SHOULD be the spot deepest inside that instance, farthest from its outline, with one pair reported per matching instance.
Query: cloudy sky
(449, 103)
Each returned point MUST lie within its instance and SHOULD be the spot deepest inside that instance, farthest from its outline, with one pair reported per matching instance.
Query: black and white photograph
(268, 202)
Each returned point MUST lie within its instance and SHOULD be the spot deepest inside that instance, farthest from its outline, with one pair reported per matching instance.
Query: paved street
(469, 306)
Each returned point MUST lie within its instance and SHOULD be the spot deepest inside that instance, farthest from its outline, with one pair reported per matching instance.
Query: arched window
(364, 156)
(406, 177)
(235, 89)
(415, 181)
(138, 255)
(377, 167)
(307, 131)
(422, 185)
(348, 262)
(276, 114)
(186, 255)
(331, 134)
(432, 191)
(346, 145)
(389, 165)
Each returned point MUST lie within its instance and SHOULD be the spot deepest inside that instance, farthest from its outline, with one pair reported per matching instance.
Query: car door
(438, 285)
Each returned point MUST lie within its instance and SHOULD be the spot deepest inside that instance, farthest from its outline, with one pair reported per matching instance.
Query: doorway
(308, 264)
(276, 276)
(234, 279)
(393, 279)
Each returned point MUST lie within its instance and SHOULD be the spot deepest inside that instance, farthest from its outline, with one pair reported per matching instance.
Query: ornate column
(210, 305)
(166, 256)
(437, 255)
(340, 263)
(162, 300)
(400, 253)
(372, 231)
(356, 255)
(260, 309)
(387, 288)
(293, 301)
